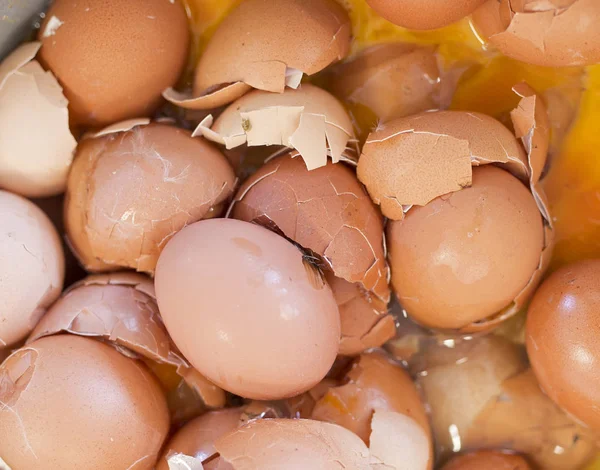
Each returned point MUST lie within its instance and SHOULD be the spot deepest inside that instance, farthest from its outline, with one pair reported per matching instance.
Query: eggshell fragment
(490, 460)
(196, 439)
(562, 341)
(302, 38)
(132, 51)
(481, 395)
(364, 317)
(32, 102)
(259, 299)
(263, 118)
(326, 211)
(72, 402)
(411, 161)
(393, 80)
(130, 192)
(424, 14)
(373, 384)
(551, 33)
(271, 444)
(121, 308)
(32, 267)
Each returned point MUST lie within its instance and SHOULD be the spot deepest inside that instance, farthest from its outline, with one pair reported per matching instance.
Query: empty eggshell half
(36, 145)
(366, 322)
(326, 211)
(488, 459)
(234, 296)
(307, 119)
(32, 267)
(114, 58)
(132, 187)
(424, 14)
(121, 309)
(72, 402)
(374, 383)
(393, 80)
(301, 38)
(551, 33)
(481, 395)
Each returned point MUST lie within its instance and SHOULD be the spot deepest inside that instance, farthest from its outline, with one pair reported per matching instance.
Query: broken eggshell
(373, 382)
(307, 119)
(114, 58)
(32, 101)
(326, 211)
(438, 151)
(133, 186)
(365, 320)
(302, 38)
(72, 402)
(488, 459)
(551, 33)
(481, 395)
(32, 267)
(397, 443)
(393, 80)
(424, 14)
(121, 309)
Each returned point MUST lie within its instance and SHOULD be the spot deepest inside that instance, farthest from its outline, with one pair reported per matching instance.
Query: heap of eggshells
(274, 290)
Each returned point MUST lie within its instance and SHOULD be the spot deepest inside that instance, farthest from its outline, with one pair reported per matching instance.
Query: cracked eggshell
(481, 395)
(129, 192)
(101, 53)
(366, 322)
(393, 80)
(32, 102)
(326, 211)
(411, 161)
(562, 341)
(121, 308)
(308, 119)
(276, 444)
(551, 33)
(488, 459)
(244, 53)
(32, 267)
(197, 438)
(424, 14)
(73, 402)
(373, 384)
(466, 256)
(288, 311)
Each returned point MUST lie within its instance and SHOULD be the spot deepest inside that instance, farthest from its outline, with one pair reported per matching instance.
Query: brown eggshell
(258, 300)
(129, 192)
(413, 160)
(424, 14)
(562, 341)
(481, 395)
(364, 317)
(302, 37)
(102, 52)
(264, 118)
(393, 80)
(326, 211)
(452, 265)
(551, 33)
(373, 383)
(73, 402)
(121, 308)
(302, 406)
(299, 444)
(197, 438)
(32, 267)
(488, 459)
(32, 102)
